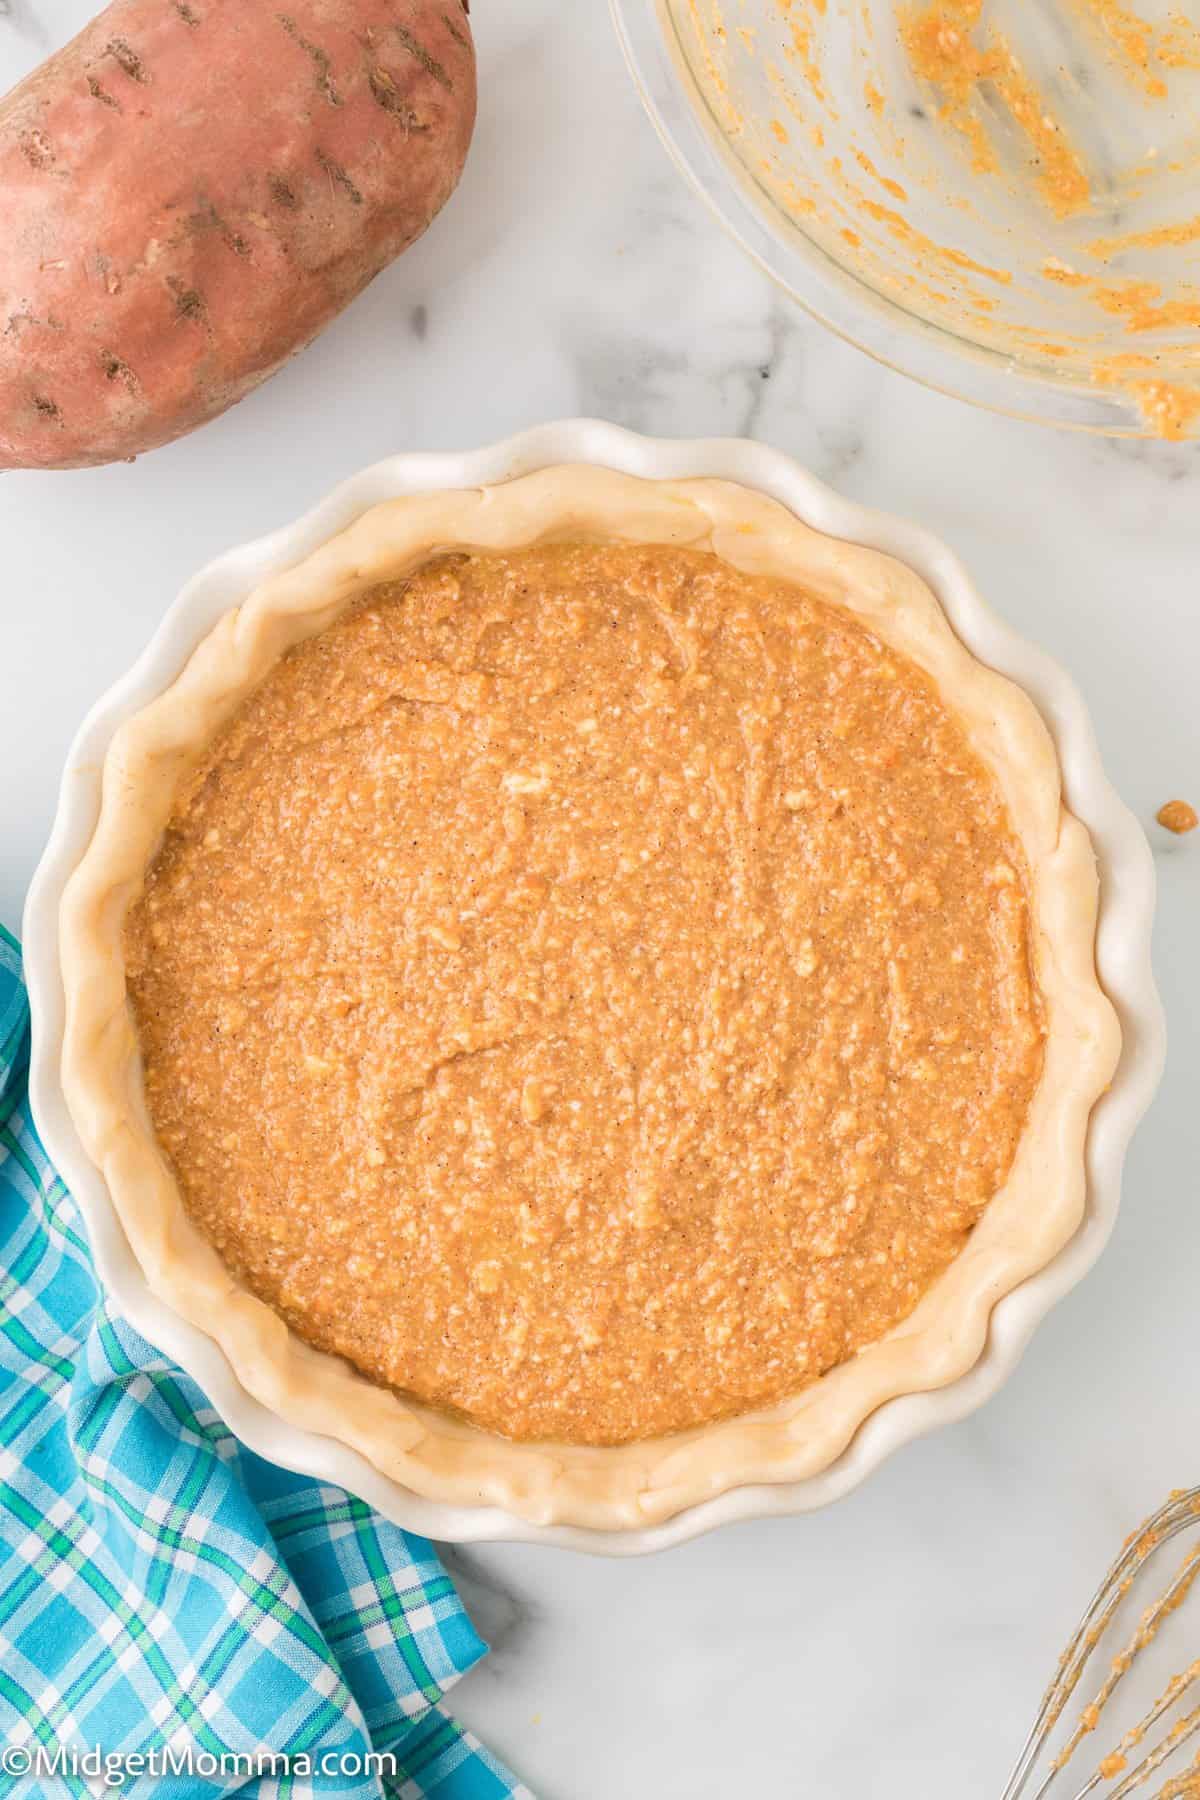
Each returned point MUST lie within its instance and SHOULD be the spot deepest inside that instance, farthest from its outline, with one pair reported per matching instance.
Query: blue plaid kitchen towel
(166, 1595)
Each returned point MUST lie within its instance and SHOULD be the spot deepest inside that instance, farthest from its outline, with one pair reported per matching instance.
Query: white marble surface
(895, 1645)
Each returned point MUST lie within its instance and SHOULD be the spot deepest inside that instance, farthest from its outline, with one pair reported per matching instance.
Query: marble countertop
(896, 1644)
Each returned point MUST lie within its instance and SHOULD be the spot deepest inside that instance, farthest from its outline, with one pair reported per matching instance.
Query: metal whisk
(1129, 1765)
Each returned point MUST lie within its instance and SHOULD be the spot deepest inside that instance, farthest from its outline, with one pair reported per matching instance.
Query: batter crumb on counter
(1178, 816)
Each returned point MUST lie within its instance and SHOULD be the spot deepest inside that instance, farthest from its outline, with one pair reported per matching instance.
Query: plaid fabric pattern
(162, 1587)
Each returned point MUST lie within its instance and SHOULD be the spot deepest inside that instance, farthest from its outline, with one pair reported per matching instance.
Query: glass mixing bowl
(998, 197)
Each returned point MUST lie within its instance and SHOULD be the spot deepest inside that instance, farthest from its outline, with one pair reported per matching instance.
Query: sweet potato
(192, 189)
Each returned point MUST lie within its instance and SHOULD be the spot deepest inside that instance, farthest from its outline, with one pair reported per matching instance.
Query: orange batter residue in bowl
(1030, 182)
(941, 41)
(589, 988)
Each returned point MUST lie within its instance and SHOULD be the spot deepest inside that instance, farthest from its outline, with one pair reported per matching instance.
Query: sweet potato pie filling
(589, 988)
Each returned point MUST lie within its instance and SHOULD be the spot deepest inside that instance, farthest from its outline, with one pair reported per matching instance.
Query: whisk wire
(1177, 1513)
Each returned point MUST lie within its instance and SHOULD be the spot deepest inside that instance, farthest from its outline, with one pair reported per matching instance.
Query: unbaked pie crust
(435, 1455)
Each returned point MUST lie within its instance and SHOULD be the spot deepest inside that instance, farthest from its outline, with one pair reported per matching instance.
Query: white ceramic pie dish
(1122, 955)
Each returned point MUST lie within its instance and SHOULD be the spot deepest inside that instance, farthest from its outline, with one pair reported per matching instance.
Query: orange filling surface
(590, 989)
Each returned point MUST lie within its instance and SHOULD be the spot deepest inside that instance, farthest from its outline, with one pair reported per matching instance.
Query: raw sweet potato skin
(192, 189)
